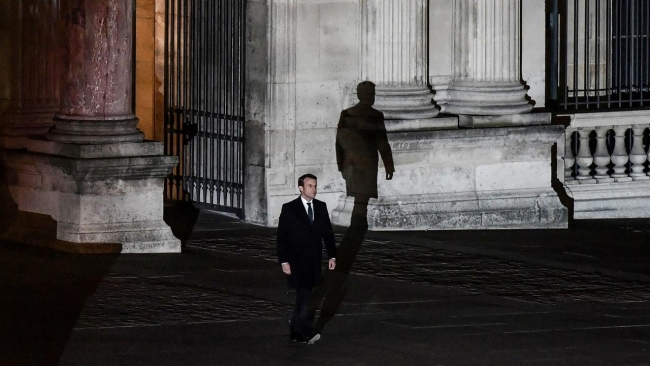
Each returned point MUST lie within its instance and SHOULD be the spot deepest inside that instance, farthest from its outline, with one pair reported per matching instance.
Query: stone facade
(462, 85)
(318, 52)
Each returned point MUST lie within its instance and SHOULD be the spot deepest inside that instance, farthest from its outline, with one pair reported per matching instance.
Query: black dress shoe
(296, 337)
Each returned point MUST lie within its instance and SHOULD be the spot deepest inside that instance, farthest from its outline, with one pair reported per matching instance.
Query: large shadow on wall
(360, 139)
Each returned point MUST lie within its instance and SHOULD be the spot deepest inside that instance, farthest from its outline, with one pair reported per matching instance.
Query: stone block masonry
(491, 178)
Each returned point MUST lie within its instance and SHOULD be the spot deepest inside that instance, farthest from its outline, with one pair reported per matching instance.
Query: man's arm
(384, 150)
(282, 245)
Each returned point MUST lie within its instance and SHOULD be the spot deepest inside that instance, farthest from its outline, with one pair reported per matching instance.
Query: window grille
(600, 54)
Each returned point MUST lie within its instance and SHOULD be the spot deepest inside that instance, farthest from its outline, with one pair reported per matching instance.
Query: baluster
(637, 154)
(584, 158)
(619, 155)
(569, 158)
(648, 158)
(601, 156)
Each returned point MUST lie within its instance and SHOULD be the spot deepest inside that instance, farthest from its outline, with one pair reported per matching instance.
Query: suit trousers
(302, 320)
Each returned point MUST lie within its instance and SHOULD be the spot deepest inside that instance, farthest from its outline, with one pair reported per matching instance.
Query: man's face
(308, 189)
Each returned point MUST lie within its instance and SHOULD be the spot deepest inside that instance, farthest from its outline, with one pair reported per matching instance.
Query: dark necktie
(310, 213)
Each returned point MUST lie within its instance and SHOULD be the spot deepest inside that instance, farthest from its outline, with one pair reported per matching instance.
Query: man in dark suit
(304, 226)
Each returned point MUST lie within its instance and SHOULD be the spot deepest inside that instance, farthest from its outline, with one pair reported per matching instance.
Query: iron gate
(204, 102)
(600, 54)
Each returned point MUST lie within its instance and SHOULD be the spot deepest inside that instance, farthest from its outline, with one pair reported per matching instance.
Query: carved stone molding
(394, 57)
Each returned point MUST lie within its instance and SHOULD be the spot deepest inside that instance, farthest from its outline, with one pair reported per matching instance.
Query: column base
(96, 194)
(95, 130)
(486, 99)
(405, 102)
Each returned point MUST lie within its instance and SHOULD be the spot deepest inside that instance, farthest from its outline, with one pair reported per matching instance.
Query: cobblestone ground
(137, 301)
(472, 273)
(140, 301)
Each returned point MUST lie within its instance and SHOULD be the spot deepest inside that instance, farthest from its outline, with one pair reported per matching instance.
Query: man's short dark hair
(301, 180)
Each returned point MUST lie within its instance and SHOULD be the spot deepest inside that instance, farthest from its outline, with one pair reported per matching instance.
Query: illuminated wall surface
(464, 88)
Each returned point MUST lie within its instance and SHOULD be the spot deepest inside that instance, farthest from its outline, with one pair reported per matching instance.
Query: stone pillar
(394, 57)
(94, 177)
(30, 68)
(486, 75)
(97, 74)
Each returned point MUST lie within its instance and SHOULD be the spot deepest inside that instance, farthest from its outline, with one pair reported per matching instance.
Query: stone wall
(304, 61)
(295, 95)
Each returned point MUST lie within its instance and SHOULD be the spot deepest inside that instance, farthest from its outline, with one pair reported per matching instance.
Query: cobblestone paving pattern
(136, 301)
(471, 273)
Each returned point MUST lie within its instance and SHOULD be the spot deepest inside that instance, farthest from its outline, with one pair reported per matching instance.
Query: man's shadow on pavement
(360, 135)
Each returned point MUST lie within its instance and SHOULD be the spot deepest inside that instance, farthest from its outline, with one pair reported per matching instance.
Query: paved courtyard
(554, 297)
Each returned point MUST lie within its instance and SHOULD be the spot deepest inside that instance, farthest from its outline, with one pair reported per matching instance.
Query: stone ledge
(133, 167)
(524, 119)
(520, 209)
(426, 124)
(115, 150)
(612, 200)
(471, 137)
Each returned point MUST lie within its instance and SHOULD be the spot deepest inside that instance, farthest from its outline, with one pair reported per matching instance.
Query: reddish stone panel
(97, 58)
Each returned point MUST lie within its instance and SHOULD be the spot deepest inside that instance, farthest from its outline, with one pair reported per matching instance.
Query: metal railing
(204, 102)
(600, 54)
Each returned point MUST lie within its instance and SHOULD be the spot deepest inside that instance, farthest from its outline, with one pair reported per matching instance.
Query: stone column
(28, 31)
(93, 185)
(486, 75)
(97, 74)
(394, 57)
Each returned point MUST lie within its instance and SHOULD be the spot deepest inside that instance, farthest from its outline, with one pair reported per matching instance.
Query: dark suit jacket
(301, 243)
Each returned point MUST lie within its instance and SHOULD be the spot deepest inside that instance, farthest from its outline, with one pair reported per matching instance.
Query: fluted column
(486, 75)
(394, 57)
(28, 34)
(97, 74)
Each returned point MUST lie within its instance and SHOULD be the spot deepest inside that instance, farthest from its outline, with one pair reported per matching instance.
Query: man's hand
(286, 268)
(332, 263)
(389, 176)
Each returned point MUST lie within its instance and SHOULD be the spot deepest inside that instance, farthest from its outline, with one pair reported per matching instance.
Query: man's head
(366, 92)
(307, 186)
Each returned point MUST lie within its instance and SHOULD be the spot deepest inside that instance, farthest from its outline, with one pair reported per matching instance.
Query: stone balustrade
(606, 164)
(607, 154)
